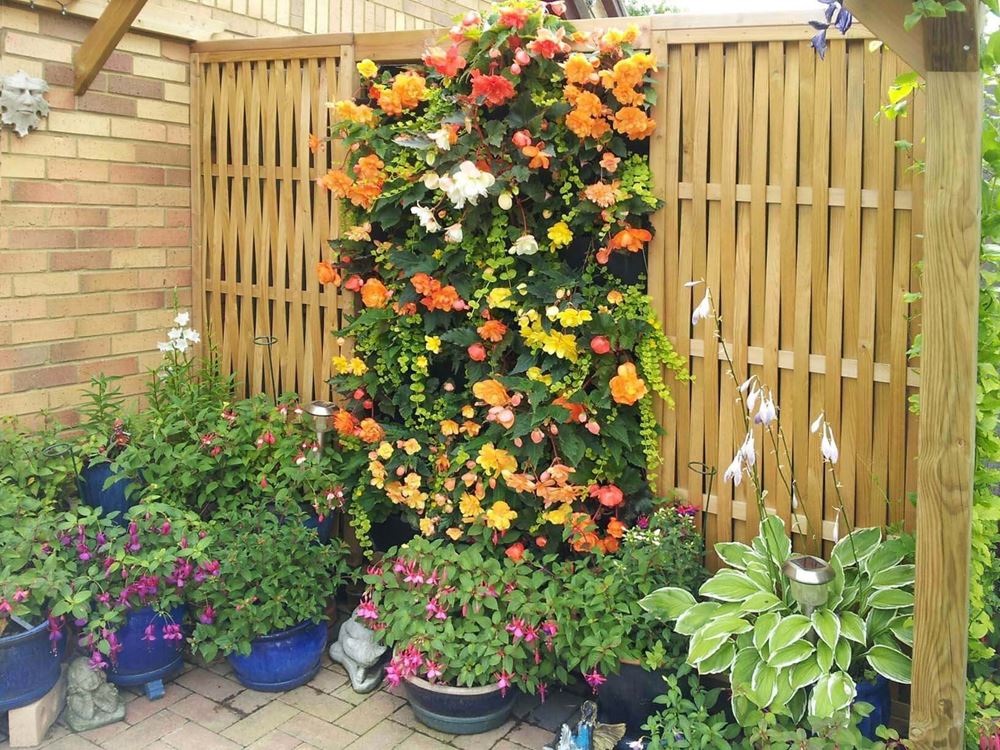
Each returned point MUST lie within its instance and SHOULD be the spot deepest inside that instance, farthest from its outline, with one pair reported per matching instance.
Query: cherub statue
(91, 701)
(358, 652)
(590, 734)
(22, 103)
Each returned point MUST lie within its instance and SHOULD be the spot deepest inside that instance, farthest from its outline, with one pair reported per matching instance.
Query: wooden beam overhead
(102, 39)
(884, 18)
(951, 44)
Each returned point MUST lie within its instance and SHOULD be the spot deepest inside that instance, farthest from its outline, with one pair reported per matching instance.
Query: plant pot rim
(10, 640)
(287, 631)
(451, 689)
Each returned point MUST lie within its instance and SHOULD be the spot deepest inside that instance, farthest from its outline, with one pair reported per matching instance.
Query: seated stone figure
(359, 654)
(91, 701)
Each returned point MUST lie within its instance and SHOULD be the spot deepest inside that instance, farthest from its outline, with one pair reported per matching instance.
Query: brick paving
(206, 709)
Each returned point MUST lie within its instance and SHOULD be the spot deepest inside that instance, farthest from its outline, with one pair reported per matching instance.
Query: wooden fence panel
(782, 190)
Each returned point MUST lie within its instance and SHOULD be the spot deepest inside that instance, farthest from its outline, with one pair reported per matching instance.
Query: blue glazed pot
(141, 662)
(94, 494)
(324, 528)
(282, 660)
(877, 694)
(628, 697)
(459, 710)
(29, 667)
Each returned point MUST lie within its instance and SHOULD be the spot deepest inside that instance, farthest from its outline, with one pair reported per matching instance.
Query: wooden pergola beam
(946, 52)
(102, 39)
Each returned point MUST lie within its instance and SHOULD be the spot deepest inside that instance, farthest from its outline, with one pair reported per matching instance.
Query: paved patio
(205, 709)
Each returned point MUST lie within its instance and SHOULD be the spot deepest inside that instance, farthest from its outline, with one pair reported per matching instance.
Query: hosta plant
(781, 660)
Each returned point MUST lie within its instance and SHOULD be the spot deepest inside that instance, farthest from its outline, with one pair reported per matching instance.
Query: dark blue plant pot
(459, 710)
(114, 498)
(282, 660)
(143, 662)
(877, 694)
(324, 528)
(29, 667)
(628, 698)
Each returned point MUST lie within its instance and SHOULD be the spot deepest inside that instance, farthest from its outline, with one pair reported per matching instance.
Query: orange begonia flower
(492, 392)
(630, 239)
(627, 387)
(579, 70)
(327, 274)
(492, 330)
(344, 422)
(575, 410)
(314, 142)
(634, 123)
(370, 431)
(539, 160)
(374, 293)
(616, 528)
(602, 194)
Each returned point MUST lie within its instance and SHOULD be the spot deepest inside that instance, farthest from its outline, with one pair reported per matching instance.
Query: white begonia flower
(453, 233)
(432, 180)
(426, 217)
(526, 244)
(703, 310)
(552, 312)
(182, 319)
(441, 138)
(828, 447)
(192, 335)
(467, 184)
(505, 200)
(175, 333)
(734, 473)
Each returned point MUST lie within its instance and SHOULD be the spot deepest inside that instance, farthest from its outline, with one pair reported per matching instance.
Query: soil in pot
(283, 660)
(458, 710)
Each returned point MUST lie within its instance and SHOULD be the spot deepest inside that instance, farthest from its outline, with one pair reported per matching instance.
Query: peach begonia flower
(374, 293)
(491, 392)
(627, 387)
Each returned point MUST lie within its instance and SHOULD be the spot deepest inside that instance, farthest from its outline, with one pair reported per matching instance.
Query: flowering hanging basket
(459, 710)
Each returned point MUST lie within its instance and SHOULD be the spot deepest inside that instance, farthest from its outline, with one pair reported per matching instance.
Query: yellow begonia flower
(536, 374)
(496, 461)
(367, 68)
(449, 427)
(468, 411)
(615, 297)
(560, 234)
(470, 507)
(563, 345)
(385, 450)
(412, 480)
(420, 363)
(572, 317)
(342, 366)
(500, 298)
(411, 446)
(426, 526)
(500, 515)
(559, 515)
(454, 533)
(433, 344)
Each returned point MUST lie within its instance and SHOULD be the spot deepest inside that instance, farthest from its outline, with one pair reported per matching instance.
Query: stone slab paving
(205, 708)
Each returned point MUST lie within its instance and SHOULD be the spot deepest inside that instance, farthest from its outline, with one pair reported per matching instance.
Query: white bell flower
(467, 184)
(453, 233)
(426, 217)
(441, 138)
(526, 244)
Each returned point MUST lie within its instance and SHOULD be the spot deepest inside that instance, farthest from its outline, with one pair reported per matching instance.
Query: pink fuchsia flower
(165, 528)
(367, 610)
(687, 510)
(393, 675)
(55, 628)
(517, 628)
(434, 670)
(207, 615)
(172, 632)
(5, 607)
(595, 679)
(97, 661)
(435, 611)
(504, 683)
(543, 689)
(20, 595)
(149, 633)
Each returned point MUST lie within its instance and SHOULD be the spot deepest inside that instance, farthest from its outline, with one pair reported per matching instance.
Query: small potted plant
(130, 588)
(31, 577)
(106, 436)
(265, 611)
(468, 631)
(605, 635)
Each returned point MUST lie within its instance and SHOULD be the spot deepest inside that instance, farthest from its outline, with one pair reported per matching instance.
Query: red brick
(68, 351)
(136, 301)
(37, 238)
(178, 177)
(130, 86)
(78, 217)
(148, 153)
(111, 105)
(163, 237)
(58, 74)
(106, 282)
(130, 174)
(67, 417)
(60, 98)
(28, 261)
(23, 356)
(123, 366)
(45, 377)
(119, 62)
(79, 260)
(42, 192)
(63, 27)
(111, 195)
(106, 237)
(178, 217)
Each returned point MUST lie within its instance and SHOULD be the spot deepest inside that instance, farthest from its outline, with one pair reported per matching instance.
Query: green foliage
(781, 661)
(931, 9)
(273, 575)
(688, 717)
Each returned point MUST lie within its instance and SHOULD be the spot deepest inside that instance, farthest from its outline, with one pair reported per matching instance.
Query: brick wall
(95, 221)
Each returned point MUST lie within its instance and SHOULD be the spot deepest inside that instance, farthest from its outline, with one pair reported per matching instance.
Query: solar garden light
(810, 581)
(321, 415)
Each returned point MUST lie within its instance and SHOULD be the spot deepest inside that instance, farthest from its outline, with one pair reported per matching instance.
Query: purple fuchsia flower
(504, 683)
(165, 528)
(434, 670)
(687, 510)
(97, 661)
(114, 645)
(172, 632)
(149, 634)
(367, 610)
(595, 679)
(207, 615)
(83, 552)
(101, 538)
(104, 598)
(20, 595)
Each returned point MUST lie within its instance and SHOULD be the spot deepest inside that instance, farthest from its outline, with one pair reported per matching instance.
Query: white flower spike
(734, 473)
(767, 412)
(749, 450)
(828, 447)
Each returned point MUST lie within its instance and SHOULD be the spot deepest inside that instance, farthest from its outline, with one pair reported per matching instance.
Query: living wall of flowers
(506, 358)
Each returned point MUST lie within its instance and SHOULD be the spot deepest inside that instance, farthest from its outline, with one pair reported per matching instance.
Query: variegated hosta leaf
(701, 648)
(897, 576)
(853, 627)
(729, 586)
(764, 685)
(890, 599)
(668, 603)
(773, 541)
(860, 542)
(890, 663)
(763, 629)
(902, 628)
(695, 618)
(824, 655)
(805, 673)
(760, 602)
(727, 625)
(878, 621)
(720, 661)
(744, 665)
(886, 556)
(827, 626)
(843, 655)
(791, 654)
(789, 630)
(836, 588)
(831, 694)
(736, 554)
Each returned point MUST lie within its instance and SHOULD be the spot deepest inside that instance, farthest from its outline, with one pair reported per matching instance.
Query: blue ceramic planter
(113, 498)
(877, 694)
(29, 667)
(148, 662)
(459, 710)
(324, 528)
(282, 660)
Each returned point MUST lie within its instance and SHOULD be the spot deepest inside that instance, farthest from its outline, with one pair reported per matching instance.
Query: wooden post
(948, 372)
(102, 39)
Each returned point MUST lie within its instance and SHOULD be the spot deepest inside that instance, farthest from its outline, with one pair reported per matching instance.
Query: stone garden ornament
(359, 654)
(91, 701)
(22, 104)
